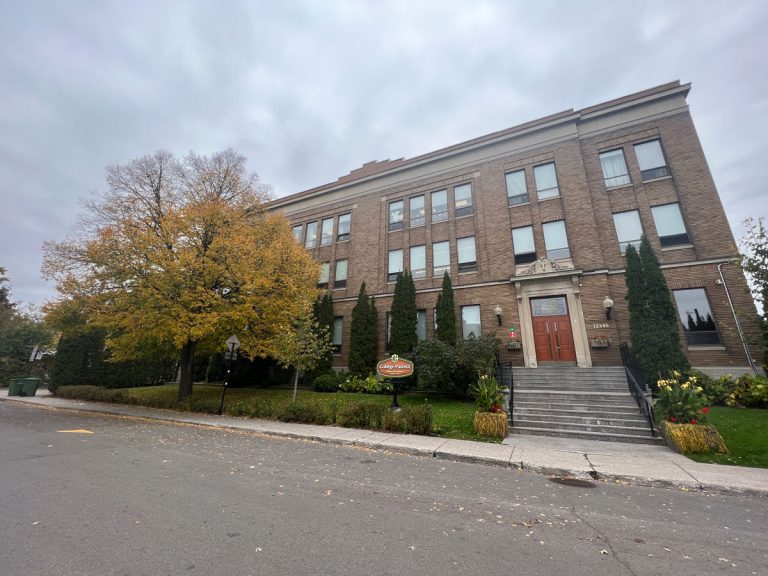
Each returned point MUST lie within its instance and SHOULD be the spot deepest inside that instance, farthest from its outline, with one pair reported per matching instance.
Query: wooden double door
(552, 334)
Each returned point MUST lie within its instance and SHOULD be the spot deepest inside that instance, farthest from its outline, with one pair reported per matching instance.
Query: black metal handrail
(636, 384)
(504, 376)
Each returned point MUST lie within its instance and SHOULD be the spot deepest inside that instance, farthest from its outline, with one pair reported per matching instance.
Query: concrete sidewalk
(639, 464)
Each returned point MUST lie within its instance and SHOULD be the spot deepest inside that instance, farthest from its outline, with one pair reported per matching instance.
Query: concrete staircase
(572, 402)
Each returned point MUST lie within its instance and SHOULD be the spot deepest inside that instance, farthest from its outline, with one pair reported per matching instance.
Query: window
(325, 273)
(418, 214)
(522, 242)
(462, 196)
(517, 192)
(696, 315)
(467, 259)
(311, 239)
(396, 215)
(470, 322)
(614, 168)
(670, 225)
(326, 232)
(441, 258)
(343, 231)
(297, 232)
(418, 262)
(338, 327)
(650, 158)
(628, 229)
(439, 206)
(555, 240)
(340, 278)
(421, 324)
(395, 265)
(546, 181)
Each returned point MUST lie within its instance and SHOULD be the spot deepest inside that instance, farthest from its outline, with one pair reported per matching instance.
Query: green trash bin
(23, 386)
(16, 387)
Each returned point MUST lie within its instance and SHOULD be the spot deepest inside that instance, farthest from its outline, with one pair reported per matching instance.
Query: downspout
(736, 319)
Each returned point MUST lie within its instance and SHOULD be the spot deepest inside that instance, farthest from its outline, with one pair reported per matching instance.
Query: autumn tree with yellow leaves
(179, 253)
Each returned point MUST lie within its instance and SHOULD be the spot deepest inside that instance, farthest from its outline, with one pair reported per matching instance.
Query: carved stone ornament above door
(544, 265)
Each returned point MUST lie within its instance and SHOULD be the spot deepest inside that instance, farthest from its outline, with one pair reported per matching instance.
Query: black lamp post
(233, 343)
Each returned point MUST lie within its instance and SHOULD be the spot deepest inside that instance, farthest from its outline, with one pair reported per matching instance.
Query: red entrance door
(552, 333)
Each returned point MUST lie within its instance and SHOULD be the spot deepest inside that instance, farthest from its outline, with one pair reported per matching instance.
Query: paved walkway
(639, 464)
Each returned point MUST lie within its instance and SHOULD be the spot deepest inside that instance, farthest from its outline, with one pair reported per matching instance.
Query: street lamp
(608, 306)
(233, 343)
(497, 311)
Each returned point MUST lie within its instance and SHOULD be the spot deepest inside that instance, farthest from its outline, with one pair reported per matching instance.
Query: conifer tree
(446, 313)
(403, 340)
(363, 335)
(323, 313)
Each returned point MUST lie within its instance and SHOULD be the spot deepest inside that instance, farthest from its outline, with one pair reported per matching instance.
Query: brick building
(532, 222)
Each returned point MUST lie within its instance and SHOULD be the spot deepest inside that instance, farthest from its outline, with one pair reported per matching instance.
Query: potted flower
(490, 418)
(684, 416)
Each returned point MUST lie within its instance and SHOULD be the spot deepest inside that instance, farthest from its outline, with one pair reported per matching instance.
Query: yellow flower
(685, 386)
(699, 389)
(676, 373)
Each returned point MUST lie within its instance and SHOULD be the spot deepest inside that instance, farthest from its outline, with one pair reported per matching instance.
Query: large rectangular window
(462, 197)
(470, 322)
(396, 215)
(546, 181)
(338, 329)
(340, 278)
(343, 230)
(418, 262)
(467, 258)
(439, 205)
(696, 316)
(326, 232)
(395, 265)
(556, 240)
(650, 158)
(325, 273)
(311, 240)
(614, 168)
(522, 242)
(669, 225)
(628, 229)
(517, 192)
(441, 258)
(421, 324)
(416, 211)
(297, 232)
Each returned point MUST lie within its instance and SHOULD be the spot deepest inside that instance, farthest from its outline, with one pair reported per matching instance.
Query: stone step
(570, 408)
(611, 437)
(603, 419)
(581, 387)
(598, 428)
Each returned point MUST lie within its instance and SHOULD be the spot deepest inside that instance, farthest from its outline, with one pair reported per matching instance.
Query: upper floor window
(441, 258)
(696, 316)
(470, 322)
(462, 197)
(669, 225)
(297, 232)
(614, 168)
(421, 324)
(650, 158)
(522, 242)
(338, 327)
(396, 215)
(546, 181)
(340, 278)
(517, 192)
(343, 231)
(395, 265)
(467, 258)
(325, 273)
(628, 229)
(326, 232)
(311, 240)
(416, 211)
(418, 262)
(556, 240)
(439, 206)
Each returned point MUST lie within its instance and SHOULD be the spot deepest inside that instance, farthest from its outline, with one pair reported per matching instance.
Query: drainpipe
(736, 319)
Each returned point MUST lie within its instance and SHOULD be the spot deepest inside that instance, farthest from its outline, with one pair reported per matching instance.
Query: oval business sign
(395, 367)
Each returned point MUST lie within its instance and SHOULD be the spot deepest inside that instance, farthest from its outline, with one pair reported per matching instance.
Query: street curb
(439, 452)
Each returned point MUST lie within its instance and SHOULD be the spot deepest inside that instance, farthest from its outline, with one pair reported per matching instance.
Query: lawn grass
(745, 431)
(451, 417)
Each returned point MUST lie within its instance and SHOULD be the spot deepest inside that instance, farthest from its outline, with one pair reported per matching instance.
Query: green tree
(303, 346)
(322, 310)
(403, 339)
(446, 313)
(653, 330)
(754, 261)
(363, 335)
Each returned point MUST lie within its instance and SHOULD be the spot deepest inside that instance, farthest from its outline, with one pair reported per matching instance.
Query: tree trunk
(185, 382)
(295, 384)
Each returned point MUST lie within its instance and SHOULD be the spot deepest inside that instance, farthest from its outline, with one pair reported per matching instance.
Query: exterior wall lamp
(608, 306)
(497, 311)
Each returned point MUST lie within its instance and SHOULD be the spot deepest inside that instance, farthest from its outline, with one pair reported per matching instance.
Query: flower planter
(491, 424)
(599, 343)
(693, 438)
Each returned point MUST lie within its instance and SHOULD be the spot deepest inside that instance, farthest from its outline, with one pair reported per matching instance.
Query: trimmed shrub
(749, 392)
(394, 422)
(307, 413)
(418, 419)
(326, 383)
(238, 408)
(367, 385)
(204, 405)
(435, 364)
(361, 415)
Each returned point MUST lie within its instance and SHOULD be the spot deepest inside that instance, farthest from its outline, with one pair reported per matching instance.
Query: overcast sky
(308, 91)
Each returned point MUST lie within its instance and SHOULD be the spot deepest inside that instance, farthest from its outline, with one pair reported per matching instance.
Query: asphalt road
(137, 497)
